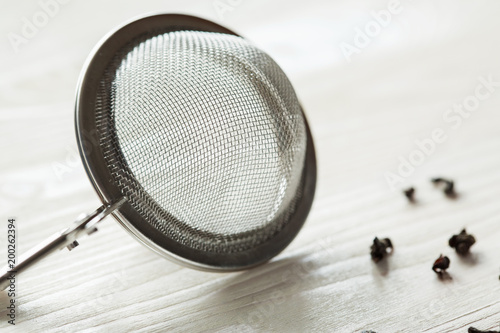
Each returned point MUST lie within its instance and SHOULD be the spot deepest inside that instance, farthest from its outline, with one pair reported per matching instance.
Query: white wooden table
(365, 112)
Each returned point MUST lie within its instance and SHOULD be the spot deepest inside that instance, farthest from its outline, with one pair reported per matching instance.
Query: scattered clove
(449, 186)
(379, 248)
(441, 264)
(462, 242)
(475, 330)
(410, 194)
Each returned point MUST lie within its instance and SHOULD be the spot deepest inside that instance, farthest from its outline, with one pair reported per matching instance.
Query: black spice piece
(475, 330)
(368, 332)
(441, 264)
(379, 248)
(462, 242)
(449, 186)
(410, 194)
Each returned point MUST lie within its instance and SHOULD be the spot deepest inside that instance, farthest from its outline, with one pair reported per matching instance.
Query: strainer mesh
(204, 135)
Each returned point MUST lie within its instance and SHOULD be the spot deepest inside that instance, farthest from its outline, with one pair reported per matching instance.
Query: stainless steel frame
(113, 201)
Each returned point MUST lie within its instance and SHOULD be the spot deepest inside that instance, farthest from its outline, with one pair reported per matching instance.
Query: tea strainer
(195, 142)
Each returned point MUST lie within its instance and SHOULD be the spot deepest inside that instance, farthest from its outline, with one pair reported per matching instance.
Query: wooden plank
(364, 114)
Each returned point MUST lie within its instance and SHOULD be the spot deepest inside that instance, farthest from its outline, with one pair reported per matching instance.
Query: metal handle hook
(65, 238)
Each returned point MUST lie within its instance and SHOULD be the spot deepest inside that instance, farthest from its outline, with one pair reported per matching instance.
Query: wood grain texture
(364, 115)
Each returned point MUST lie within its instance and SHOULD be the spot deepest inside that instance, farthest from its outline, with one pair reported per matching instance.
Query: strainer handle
(65, 238)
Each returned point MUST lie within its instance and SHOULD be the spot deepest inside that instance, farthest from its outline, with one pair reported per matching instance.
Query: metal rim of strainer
(100, 176)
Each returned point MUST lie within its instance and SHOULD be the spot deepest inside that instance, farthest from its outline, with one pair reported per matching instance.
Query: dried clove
(441, 264)
(449, 186)
(475, 330)
(410, 194)
(462, 242)
(380, 248)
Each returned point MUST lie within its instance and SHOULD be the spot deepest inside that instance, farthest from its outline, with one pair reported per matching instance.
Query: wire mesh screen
(204, 135)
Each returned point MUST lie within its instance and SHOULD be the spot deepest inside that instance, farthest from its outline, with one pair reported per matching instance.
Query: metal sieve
(195, 142)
